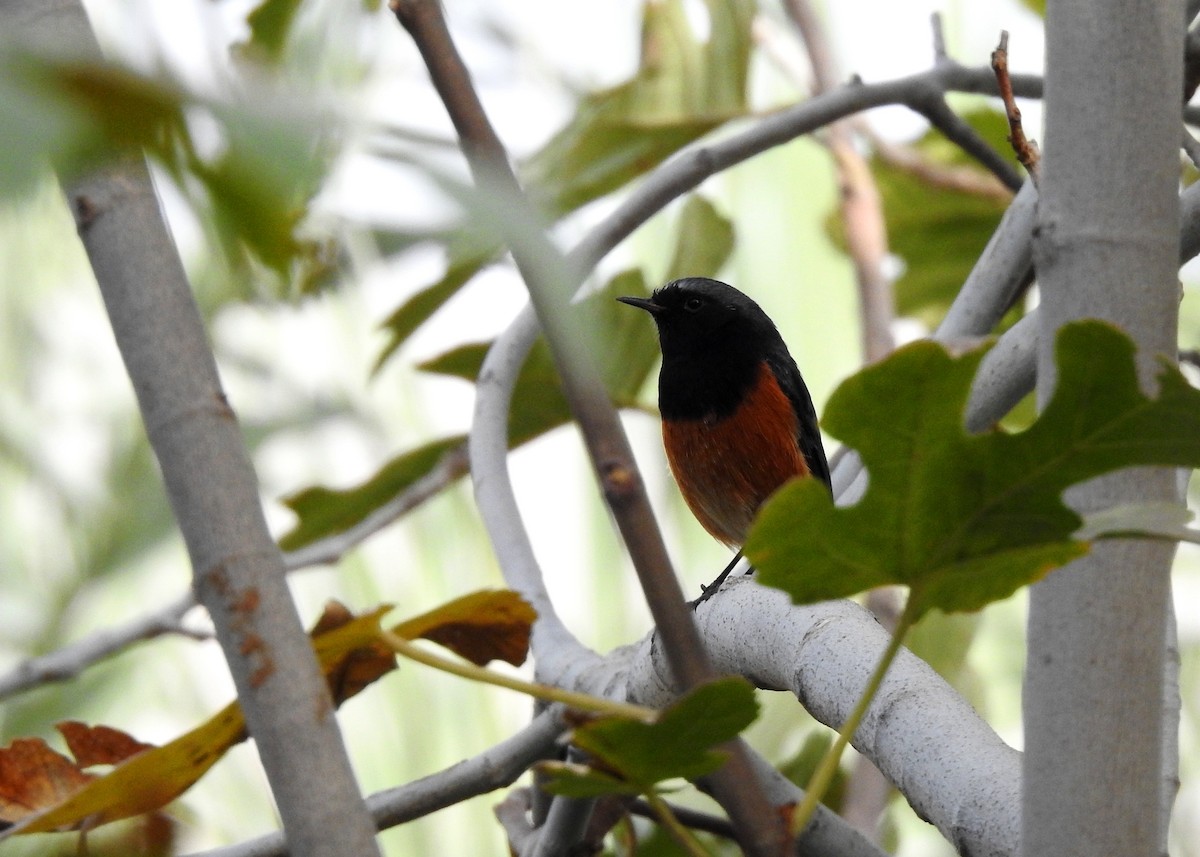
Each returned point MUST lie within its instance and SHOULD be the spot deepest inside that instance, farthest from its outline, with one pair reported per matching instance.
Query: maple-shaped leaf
(629, 756)
(481, 627)
(965, 519)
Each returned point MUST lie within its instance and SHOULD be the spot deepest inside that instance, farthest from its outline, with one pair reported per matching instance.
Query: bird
(737, 418)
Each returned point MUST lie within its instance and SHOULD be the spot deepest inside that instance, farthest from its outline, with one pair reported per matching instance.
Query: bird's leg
(707, 592)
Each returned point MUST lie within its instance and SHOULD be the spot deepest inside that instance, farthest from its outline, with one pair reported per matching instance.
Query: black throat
(705, 383)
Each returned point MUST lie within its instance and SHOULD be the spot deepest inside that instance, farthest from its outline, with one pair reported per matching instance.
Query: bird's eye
(693, 304)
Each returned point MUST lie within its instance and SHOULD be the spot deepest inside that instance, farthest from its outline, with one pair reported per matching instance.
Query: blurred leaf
(962, 519)
(274, 160)
(466, 260)
(270, 149)
(628, 757)
(538, 401)
(325, 511)
(74, 115)
(943, 640)
(270, 22)
(128, 109)
(481, 627)
(684, 88)
(1037, 6)
(704, 241)
(33, 777)
(937, 231)
(799, 769)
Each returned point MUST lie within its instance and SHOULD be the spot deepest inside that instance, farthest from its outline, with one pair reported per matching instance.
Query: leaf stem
(681, 834)
(828, 765)
(572, 699)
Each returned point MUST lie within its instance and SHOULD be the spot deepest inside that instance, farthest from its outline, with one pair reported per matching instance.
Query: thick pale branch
(919, 731)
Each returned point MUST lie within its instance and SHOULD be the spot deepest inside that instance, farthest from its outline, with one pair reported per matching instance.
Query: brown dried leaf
(481, 627)
(99, 745)
(33, 777)
(353, 665)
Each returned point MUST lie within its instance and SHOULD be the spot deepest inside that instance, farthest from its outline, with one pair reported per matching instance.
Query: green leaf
(75, 115)
(326, 511)
(572, 780)
(270, 22)
(467, 255)
(962, 519)
(273, 163)
(679, 744)
(538, 401)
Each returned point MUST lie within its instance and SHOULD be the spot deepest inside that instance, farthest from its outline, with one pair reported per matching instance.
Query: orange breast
(726, 468)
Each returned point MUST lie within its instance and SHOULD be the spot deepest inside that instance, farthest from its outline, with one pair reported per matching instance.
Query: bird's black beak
(643, 303)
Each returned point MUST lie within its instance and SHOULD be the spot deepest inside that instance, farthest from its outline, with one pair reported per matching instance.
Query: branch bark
(928, 741)
(1106, 247)
(238, 571)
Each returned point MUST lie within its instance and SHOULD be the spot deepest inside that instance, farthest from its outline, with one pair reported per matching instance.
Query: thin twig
(964, 179)
(612, 458)
(71, 660)
(494, 768)
(955, 129)
(689, 817)
(1025, 149)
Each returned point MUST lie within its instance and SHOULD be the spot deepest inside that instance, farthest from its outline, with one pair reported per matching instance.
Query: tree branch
(1025, 149)
(238, 571)
(925, 738)
(1106, 247)
(760, 829)
(494, 768)
(71, 660)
